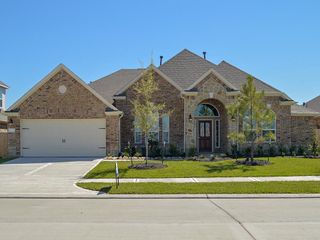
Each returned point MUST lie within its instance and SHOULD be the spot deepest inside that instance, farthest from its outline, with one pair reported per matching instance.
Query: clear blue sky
(277, 41)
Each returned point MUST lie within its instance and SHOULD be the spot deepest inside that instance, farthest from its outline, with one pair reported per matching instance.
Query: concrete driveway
(43, 176)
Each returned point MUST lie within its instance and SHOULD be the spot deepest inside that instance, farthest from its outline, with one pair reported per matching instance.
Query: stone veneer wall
(76, 103)
(167, 94)
(211, 89)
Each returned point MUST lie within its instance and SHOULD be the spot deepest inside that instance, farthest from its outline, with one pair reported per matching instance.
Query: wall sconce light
(190, 117)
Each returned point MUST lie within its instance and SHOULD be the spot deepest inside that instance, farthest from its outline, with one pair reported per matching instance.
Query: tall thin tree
(145, 110)
(251, 107)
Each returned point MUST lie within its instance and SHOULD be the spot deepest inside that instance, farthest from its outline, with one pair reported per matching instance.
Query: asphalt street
(160, 219)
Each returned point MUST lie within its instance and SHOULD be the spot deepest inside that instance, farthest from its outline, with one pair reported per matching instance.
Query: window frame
(162, 129)
(217, 134)
(268, 129)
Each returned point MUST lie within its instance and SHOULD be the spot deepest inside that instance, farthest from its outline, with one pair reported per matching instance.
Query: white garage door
(63, 137)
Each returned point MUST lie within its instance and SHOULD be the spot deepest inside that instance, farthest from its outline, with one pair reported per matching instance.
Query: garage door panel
(63, 137)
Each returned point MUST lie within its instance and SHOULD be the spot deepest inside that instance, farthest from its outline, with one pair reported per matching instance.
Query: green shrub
(260, 150)
(192, 152)
(173, 151)
(301, 151)
(293, 150)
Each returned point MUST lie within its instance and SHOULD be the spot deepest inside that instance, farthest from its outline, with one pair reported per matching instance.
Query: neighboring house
(314, 104)
(3, 118)
(63, 116)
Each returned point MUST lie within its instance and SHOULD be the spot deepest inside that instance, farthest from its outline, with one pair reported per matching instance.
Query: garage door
(63, 137)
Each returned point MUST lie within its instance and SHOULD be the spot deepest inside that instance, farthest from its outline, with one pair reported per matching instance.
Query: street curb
(168, 196)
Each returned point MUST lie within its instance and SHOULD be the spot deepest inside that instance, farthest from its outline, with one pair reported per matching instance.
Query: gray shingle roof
(2, 84)
(302, 110)
(314, 103)
(184, 68)
(237, 77)
(109, 85)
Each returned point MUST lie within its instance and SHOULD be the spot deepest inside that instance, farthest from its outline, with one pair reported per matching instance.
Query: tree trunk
(252, 152)
(147, 149)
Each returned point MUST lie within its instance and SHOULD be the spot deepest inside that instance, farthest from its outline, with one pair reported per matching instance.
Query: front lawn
(3, 160)
(280, 166)
(205, 188)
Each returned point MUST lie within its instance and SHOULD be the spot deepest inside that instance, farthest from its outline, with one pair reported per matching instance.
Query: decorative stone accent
(213, 91)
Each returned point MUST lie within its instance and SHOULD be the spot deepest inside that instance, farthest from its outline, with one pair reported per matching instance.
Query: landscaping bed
(206, 188)
(279, 166)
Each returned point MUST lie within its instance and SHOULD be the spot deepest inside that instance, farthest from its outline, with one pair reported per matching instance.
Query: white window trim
(216, 142)
(168, 129)
(135, 138)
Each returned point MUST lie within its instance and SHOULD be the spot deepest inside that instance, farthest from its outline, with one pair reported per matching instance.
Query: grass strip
(206, 188)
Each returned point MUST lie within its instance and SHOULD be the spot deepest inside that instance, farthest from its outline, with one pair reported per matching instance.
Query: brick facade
(76, 103)
(48, 103)
(173, 101)
(302, 129)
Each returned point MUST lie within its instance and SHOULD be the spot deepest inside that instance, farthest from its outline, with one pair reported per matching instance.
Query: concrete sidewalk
(205, 180)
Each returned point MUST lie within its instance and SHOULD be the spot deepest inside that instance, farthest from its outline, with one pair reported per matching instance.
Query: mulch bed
(144, 166)
(253, 163)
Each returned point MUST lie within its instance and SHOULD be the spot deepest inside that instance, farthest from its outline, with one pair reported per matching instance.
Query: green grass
(205, 188)
(178, 169)
(3, 160)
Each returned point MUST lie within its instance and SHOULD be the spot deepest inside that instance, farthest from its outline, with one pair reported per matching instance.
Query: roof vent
(204, 55)
(161, 57)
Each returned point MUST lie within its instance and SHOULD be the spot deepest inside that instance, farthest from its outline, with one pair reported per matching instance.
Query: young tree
(251, 108)
(145, 111)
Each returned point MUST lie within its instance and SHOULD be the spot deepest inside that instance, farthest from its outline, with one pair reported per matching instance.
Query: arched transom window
(206, 110)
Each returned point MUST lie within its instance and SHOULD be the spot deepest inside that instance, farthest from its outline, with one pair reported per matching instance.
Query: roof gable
(48, 77)
(173, 83)
(314, 103)
(186, 67)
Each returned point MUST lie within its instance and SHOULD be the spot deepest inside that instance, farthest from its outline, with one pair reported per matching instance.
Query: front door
(205, 136)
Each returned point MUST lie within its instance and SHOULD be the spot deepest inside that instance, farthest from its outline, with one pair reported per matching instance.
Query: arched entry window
(206, 110)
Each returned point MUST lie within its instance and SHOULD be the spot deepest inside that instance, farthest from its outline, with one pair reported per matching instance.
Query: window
(217, 134)
(269, 128)
(1, 100)
(266, 127)
(165, 128)
(206, 110)
(137, 134)
(154, 132)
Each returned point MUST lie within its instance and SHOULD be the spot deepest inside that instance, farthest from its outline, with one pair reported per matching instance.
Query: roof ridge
(192, 53)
